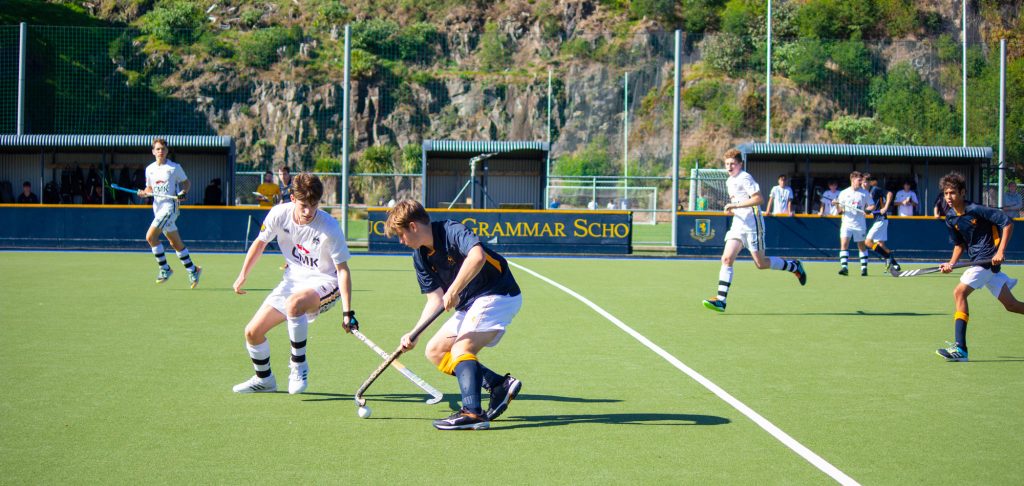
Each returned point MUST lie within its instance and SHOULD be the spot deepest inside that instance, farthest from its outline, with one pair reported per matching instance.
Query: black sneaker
(462, 420)
(863, 272)
(844, 272)
(501, 395)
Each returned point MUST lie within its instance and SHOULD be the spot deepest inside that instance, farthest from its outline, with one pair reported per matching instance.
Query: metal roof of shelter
(484, 146)
(876, 153)
(115, 141)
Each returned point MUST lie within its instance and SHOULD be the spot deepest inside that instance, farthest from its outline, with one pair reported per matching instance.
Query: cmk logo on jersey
(702, 230)
(304, 258)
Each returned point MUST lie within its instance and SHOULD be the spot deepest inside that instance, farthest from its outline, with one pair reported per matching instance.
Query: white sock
(260, 355)
(724, 282)
(298, 330)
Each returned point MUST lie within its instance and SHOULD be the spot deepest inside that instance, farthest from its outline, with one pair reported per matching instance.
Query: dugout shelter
(69, 164)
(811, 166)
(484, 174)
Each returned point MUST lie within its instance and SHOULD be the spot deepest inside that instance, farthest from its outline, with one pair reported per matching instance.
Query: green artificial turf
(110, 378)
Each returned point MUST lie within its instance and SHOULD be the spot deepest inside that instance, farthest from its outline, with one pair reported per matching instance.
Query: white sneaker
(297, 382)
(257, 385)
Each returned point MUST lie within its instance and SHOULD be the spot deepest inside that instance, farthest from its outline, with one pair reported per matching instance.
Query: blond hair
(404, 214)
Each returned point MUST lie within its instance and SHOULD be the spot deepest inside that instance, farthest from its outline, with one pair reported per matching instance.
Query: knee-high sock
(781, 264)
(863, 259)
(490, 379)
(161, 257)
(882, 252)
(186, 260)
(260, 355)
(960, 324)
(298, 328)
(844, 257)
(724, 282)
(468, 373)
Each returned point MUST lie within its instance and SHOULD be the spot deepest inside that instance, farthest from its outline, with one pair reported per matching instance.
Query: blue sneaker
(953, 353)
(715, 304)
(193, 277)
(163, 275)
(501, 395)
(463, 420)
(800, 273)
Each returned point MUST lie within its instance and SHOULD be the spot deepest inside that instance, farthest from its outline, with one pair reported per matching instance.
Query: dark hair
(954, 180)
(783, 176)
(307, 188)
(26, 184)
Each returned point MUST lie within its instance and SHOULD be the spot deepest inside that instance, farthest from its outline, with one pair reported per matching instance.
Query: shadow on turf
(662, 419)
(1002, 359)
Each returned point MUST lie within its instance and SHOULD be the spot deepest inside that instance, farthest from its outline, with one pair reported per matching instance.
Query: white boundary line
(809, 455)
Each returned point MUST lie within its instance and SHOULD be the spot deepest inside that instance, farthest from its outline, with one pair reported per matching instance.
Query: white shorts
(165, 219)
(879, 230)
(976, 277)
(488, 313)
(847, 232)
(326, 287)
(752, 240)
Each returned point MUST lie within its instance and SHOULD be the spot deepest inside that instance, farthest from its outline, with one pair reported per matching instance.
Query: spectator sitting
(611, 204)
(592, 204)
(1011, 201)
(555, 203)
(213, 196)
(268, 191)
(27, 196)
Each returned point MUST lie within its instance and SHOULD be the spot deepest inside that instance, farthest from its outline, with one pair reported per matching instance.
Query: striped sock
(260, 355)
(863, 260)
(161, 257)
(882, 252)
(298, 329)
(185, 260)
(781, 264)
(844, 258)
(724, 281)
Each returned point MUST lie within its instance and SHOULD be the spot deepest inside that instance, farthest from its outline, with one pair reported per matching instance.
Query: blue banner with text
(526, 231)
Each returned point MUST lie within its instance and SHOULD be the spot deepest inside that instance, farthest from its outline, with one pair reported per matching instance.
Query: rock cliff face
(292, 120)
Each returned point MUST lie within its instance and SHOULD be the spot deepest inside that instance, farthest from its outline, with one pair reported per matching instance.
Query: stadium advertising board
(527, 231)
(811, 236)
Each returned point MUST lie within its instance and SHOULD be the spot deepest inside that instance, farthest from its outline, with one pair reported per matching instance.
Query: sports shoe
(863, 272)
(501, 395)
(193, 277)
(163, 275)
(896, 267)
(463, 420)
(953, 353)
(257, 385)
(800, 273)
(715, 304)
(844, 271)
(297, 379)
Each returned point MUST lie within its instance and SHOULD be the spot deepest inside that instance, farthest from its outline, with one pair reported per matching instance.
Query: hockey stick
(136, 192)
(422, 326)
(435, 394)
(925, 271)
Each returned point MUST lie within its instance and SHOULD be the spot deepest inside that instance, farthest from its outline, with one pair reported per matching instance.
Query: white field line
(809, 455)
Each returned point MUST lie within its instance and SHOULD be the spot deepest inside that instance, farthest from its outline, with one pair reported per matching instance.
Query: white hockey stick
(436, 395)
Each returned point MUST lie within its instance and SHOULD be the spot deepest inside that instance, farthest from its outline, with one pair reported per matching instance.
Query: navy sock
(490, 378)
(961, 333)
(468, 373)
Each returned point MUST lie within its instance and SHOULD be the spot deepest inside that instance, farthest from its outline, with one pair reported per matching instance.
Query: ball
(364, 412)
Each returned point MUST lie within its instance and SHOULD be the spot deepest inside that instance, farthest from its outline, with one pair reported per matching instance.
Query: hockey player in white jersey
(317, 275)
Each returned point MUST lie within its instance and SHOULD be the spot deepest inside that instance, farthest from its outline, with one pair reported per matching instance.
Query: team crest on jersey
(316, 240)
(451, 261)
(702, 230)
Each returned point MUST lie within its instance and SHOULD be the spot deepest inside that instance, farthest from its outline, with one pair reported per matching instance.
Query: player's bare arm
(251, 257)
(999, 257)
(887, 203)
(947, 267)
(435, 300)
(345, 288)
(471, 267)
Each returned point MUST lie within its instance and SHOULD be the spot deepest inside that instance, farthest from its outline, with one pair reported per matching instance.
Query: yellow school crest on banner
(702, 230)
